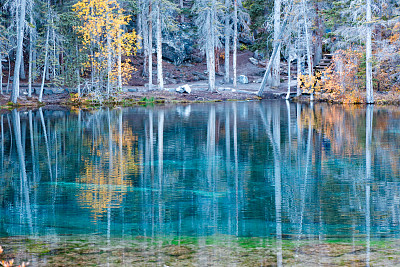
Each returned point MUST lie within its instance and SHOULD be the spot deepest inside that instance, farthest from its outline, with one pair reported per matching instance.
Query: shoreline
(139, 96)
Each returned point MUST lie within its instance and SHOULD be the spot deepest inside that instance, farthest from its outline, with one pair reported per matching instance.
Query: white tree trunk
(139, 28)
(210, 48)
(210, 65)
(181, 6)
(160, 79)
(369, 85)
(235, 41)
(309, 62)
(30, 65)
(276, 70)
(22, 69)
(46, 55)
(20, 39)
(119, 63)
(289, 79)
(150, 48)
(298, 91)
(30, 49)
(1, 74)
(145, 35)
(109, 55)
(227, 41)
(78, 76)
(55, 59)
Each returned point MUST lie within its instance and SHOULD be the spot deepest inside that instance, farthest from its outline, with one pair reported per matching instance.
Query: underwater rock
(177, 251)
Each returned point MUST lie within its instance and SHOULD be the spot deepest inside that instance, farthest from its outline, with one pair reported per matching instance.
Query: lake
(218, 184)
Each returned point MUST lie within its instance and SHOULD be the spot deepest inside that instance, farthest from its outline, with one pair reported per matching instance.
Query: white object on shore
(184, 89)
(243, 79)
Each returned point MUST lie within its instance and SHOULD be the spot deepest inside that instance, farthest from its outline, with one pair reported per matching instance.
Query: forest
(341, 50)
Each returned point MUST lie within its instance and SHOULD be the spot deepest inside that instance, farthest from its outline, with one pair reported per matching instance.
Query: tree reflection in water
(238, 169)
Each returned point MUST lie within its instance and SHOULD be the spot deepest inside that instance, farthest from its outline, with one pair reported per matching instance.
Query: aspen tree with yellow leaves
(103, 36)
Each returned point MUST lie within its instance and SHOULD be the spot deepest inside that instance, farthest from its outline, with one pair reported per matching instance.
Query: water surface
(269, 170)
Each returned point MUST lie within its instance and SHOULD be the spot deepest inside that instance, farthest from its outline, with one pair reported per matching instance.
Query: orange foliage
(9, 263)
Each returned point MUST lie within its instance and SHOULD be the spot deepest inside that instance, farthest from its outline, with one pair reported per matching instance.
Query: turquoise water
(241, 169)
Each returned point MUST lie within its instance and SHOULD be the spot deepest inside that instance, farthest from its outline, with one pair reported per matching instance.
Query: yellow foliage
(103, 36)
(344, 81)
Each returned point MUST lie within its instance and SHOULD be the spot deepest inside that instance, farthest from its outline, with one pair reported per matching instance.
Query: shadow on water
(243, 183)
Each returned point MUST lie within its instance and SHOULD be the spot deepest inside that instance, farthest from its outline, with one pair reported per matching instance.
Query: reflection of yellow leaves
(104, 175)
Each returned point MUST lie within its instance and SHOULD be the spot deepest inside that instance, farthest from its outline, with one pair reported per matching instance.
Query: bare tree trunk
(210, 65)
(369, 85)
(30, 49)
(210, 47)
(150, 49)
(274, 54)
(181, 6)
(227, 40)
(46, 55)
(276, 69)
(235, 41)
(120, 63)
(55, 60)
(9, 74)
(78, 76)
(298, 91)
(22, 69)
(20, 39)
(289, 78)
(160, 79)
(1, 74)
(139, 28)
(109, 64)
(30, 66)
(318, 34)
(309, 62)
(145, 36)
